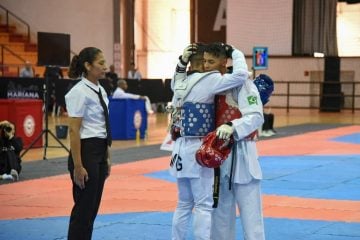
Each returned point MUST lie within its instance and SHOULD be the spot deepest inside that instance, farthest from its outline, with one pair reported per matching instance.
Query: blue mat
(157, 226)
(328, 177)
(351, 138)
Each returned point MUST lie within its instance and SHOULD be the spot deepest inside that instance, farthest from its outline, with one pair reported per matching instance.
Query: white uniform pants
(248, 200)
(197, 194)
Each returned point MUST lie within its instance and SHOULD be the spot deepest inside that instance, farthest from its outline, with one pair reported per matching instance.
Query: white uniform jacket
(183, 162)
(246, 165)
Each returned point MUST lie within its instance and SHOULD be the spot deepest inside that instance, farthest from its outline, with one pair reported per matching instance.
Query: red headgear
(213, 152)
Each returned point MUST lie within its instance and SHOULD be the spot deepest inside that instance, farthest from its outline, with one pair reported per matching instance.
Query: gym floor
(310, 188)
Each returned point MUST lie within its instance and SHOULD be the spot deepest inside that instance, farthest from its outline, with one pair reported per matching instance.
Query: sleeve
(180, 74)
(75, 103)
(239, 61)
(121, 94)
(237, 78)
(251, 110)
(130, 95)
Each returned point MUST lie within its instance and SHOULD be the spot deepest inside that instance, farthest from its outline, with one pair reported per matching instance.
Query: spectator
(11, 146)
(27, 70)
(112, 77)
(134, 73)
(268, 126)
(52, 74)
(120, 93)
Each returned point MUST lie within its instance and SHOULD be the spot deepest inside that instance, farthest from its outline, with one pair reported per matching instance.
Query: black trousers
(87, 201)
(268, 121)
(10, 154)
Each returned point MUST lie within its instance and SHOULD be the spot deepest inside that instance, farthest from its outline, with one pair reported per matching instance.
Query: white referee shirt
(120, 93)
(81, 101)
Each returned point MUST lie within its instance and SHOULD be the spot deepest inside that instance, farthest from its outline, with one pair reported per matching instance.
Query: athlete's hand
(188, 51)
(224, 131)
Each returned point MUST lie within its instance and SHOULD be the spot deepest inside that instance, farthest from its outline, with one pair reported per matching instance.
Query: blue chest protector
(197, 119)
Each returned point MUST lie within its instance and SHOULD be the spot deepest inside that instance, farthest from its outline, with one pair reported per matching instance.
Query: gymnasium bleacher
(16, 48)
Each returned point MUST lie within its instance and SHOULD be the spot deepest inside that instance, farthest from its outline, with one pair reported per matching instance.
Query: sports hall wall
(89, 22)
(269, 23)
(251, 23)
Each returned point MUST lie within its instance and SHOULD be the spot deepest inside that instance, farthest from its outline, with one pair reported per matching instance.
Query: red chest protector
(213, 152)
(225, 113)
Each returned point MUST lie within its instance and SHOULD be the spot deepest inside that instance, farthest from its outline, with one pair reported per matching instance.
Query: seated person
(134, 73)
(11, 146)
(265, 85)
(120, 93)
(112, 77)
(27, 71)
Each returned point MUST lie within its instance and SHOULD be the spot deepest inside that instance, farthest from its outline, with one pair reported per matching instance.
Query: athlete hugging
(226, 105)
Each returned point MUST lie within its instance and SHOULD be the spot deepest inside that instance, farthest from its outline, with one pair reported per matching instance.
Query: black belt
(216, 190)
(232, 164)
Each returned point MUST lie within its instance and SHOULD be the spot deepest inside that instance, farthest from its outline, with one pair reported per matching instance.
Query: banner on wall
(33, 88)
(210, 21)
(260, 58)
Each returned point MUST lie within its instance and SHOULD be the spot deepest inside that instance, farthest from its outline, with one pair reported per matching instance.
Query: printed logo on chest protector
(252, 100)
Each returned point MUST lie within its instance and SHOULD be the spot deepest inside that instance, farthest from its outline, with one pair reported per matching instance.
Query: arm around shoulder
(239, 61)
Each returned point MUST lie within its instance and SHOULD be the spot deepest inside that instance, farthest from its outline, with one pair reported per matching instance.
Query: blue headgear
(265, 85)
